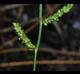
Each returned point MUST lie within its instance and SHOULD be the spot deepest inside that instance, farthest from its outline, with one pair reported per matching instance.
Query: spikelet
(23, 37)
(58, 14)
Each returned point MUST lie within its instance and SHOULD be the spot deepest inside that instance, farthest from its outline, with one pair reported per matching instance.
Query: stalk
(39, 37)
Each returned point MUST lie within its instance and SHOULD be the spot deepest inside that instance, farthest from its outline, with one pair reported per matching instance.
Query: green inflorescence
(23, 37)
(52, 18)
(58, 14)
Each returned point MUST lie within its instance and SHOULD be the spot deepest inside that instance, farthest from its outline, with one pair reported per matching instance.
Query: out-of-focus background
(60, 44)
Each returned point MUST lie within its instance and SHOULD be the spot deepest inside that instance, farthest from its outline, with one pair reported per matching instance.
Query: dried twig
(42, 62)
(11, 6)
(49, 50)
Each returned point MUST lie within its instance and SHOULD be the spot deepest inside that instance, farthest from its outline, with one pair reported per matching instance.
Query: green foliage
(58, 14)
(22, 36)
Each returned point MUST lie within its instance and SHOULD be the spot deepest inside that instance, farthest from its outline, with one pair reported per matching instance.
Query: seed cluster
(56, 16)
(22, 36)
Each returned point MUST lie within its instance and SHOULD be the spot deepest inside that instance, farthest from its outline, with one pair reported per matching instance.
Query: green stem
(39, 37)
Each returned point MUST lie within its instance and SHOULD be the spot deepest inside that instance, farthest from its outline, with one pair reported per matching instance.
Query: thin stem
(39, 37)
